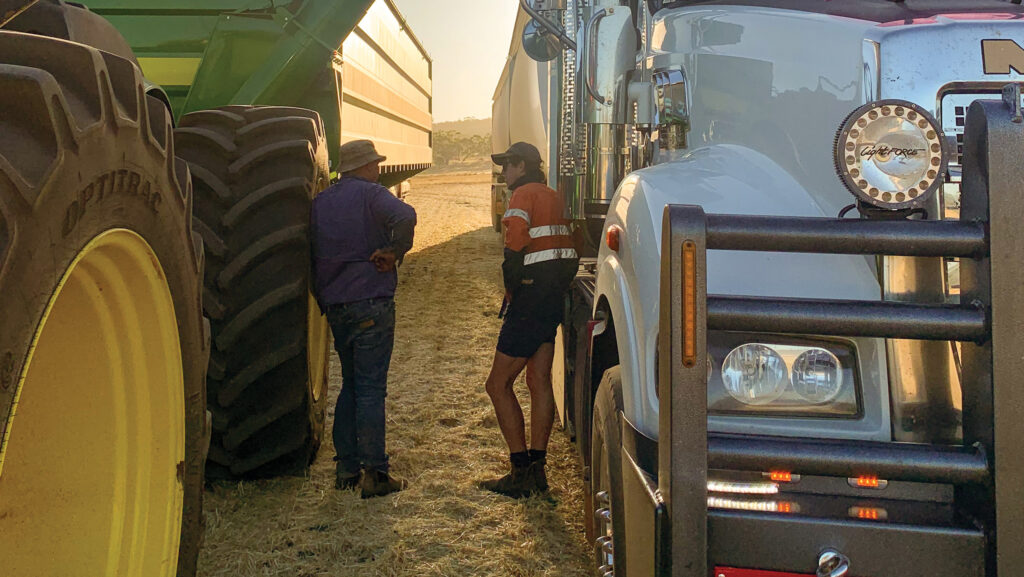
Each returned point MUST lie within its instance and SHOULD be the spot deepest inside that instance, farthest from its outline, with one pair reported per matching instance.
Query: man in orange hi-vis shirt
(540, 263)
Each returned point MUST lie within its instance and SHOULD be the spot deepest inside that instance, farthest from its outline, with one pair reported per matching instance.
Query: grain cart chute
(793, 345)
(103, 348)
(263, 99)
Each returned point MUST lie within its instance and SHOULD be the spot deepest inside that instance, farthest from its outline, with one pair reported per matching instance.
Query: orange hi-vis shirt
(534, 222)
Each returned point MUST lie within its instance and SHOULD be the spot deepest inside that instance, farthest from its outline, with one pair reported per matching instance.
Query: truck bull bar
(987, 472)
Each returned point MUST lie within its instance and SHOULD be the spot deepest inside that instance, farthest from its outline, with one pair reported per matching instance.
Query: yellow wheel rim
(317, 344)
(89, 481)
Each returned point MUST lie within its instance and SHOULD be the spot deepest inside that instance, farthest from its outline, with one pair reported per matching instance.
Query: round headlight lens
(891, 154)
(754, 374)
(817, 376)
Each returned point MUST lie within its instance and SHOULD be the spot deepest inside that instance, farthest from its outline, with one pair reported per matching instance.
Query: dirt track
(442, 436)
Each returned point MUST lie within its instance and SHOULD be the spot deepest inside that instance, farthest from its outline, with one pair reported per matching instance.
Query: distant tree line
(450, 145)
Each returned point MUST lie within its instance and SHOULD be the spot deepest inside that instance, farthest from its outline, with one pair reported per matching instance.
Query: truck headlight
(817, 375)
(754, 374)
(891, 154)
(769, 375)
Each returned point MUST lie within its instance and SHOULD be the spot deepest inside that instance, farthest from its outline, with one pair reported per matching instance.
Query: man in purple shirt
(360, 233)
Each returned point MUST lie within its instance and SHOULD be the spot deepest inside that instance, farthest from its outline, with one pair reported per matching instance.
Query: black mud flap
(646, 521)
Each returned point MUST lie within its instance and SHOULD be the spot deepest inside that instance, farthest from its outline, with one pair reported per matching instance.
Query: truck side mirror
(540, 44)
(539, 20)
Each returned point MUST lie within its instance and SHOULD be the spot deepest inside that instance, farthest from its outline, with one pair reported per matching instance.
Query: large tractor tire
(103, 346)
(255, 171)
(74, 22)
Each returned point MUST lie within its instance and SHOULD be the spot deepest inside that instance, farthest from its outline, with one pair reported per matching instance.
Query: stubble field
(442, 437)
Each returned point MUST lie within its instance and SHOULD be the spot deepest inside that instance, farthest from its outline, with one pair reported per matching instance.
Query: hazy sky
(468, 41)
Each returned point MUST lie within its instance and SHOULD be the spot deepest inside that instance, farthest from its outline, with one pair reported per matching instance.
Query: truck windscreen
(872, 10)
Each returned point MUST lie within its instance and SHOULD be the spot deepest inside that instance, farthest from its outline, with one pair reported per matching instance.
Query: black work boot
(380, 483)
(538, 458)
(538, 478)
(518, 483)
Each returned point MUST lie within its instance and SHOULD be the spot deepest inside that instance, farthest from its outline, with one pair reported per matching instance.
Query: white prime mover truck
(793, 343)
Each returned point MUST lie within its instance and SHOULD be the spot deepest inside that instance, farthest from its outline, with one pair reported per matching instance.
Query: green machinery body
(210, 53)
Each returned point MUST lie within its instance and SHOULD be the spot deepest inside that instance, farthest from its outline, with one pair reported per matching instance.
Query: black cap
(521, 150)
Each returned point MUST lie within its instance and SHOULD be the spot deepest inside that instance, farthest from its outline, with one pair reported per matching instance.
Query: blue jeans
(364, 336)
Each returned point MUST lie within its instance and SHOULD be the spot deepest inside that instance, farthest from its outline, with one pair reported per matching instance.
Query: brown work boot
(518, 483)
(379, 483)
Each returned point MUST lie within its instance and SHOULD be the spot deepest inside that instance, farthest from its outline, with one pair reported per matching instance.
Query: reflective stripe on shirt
(518, 212)
(550, 254)
(550, 230)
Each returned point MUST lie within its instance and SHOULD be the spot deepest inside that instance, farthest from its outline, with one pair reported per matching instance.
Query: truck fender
(616, 295)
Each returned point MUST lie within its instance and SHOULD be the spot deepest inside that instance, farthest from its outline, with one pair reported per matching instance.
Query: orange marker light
(869, 513)
(868, 482)
(781, 476)
(689, 304)
(613, 237)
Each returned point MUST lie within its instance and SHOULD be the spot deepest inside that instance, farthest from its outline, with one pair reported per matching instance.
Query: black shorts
(535, 312)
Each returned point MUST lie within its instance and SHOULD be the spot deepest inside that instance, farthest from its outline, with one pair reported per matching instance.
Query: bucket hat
(356, 154)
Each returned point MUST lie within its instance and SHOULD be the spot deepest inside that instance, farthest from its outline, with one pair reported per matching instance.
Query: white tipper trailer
(792, 346)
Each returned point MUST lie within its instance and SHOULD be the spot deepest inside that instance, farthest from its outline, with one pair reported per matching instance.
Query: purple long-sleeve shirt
(348, 222)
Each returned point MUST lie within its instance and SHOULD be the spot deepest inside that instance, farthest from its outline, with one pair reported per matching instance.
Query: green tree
(450, 145)
(446, 147)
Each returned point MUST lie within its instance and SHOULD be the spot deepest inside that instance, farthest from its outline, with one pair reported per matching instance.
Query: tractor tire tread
(262, 196)
(256, 169)
(258, 251)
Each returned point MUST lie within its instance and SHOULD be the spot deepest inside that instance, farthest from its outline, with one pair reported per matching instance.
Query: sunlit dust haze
(468, 41)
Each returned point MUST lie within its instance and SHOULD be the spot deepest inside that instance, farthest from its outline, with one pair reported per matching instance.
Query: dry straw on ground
(442, 436)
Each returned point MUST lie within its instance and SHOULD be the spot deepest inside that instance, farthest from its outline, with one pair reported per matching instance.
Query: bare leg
(542, 398)
(504, 371)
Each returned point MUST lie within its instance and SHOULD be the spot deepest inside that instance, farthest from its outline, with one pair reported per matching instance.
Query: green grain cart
(157, 162)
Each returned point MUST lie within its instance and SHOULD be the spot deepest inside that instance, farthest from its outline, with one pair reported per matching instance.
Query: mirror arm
(549, 25)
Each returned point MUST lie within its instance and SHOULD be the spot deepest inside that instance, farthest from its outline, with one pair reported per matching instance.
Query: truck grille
(953, 115)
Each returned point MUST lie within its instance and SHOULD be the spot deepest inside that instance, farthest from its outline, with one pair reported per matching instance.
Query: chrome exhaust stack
(607, 30)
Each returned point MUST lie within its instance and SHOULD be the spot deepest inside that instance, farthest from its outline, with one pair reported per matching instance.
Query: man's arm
(517, 238)
(402, 233)
(517, 225)
(512, 270)
(398, 219)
